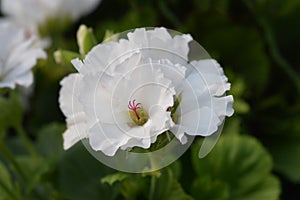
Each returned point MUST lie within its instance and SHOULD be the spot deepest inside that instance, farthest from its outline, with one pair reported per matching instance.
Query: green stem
(10, 158)
(28, 144)
(169, 15)
(274, 50)
(152, 187)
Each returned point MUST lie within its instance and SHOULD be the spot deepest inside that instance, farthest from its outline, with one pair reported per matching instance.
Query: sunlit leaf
(113, 178)
(168, 188)
(6, 186)
(64, 57)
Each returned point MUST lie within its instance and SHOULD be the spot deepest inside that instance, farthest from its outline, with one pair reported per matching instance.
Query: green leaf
(205, 188)
(286, 150)
(34, 169)
(277, 123)
(243, 164)
(238, 90)
(113, 178)
(64, 57)
(49, 142)
(241, 106)
(5, 183)
(79, 174)
(85, 39)
(267, 189)
(168, 188)
(110, 36)
(176, 168)
(134, 187)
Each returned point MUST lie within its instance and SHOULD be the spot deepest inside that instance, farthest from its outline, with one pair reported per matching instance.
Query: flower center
(173, 109)
(137, 113)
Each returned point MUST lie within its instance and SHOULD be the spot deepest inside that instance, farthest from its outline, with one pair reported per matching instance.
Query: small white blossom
(32, 13)
(18, 55)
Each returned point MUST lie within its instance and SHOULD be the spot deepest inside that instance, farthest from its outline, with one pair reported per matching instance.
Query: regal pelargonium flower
(121, 111)
(17, 56)
(136, 88)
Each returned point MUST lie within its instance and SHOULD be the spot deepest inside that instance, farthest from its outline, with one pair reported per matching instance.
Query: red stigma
(132, 106)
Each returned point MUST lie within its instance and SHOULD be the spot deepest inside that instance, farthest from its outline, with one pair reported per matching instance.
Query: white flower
(149, 69)
(32, 13)
(121, 111)
(18, 55)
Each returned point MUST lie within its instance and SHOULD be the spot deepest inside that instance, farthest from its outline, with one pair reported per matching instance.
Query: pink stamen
(28, 34)
(132, 106)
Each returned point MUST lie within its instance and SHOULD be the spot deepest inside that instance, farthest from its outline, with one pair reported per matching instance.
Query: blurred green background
(258, 155)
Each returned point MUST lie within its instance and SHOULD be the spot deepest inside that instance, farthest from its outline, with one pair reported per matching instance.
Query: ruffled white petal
(76, 130)
(96, 96)
(73, 110)
(107, 56)
(107, 138)
(156, 44)
(210, 71)
(159, 44)
(17, 56)
(203, 106)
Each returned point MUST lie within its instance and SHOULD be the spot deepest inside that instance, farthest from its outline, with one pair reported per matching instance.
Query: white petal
(74, 133)
(68, 95)
(25, 79)
(202, 122)
(17, 55)
(72, 109)
(107, 138)
(223, 106)
(106, 56)
(209, 71)
(95, 96)
(174, 72)
(202, 108)
(159, 44)
(179, 132)
(78, 64)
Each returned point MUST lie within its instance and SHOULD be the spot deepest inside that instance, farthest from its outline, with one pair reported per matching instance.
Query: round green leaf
(242, 164)
(205, 188)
